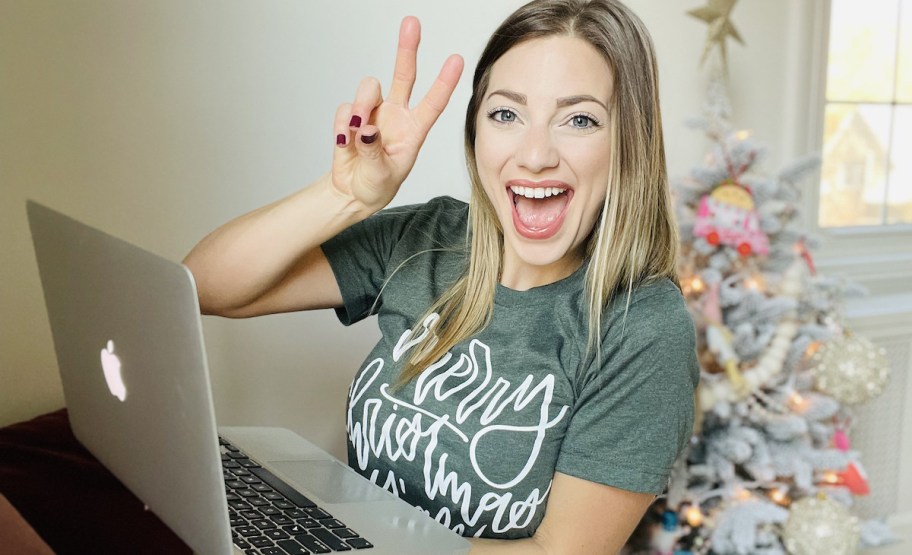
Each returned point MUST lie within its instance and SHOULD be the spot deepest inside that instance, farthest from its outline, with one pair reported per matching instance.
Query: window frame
(877, 257)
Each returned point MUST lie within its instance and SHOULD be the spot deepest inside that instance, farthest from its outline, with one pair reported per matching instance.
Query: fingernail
(355, 122)
(368, 139)
(340, 139)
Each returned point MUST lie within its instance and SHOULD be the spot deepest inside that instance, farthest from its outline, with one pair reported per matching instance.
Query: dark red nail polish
(355, 122)
(368, 139)
(340, 139)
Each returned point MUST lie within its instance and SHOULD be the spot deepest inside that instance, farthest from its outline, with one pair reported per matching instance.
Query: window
(850, 81)
(866, 171)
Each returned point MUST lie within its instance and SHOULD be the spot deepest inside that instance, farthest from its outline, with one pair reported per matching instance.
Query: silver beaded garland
(850, 369)
(820, 525)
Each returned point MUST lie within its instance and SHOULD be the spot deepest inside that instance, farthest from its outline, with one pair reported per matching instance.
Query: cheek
(491, 155)
(592, 167)
(597, 199)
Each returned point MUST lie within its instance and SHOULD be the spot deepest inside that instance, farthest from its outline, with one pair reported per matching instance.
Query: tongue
(541, 212)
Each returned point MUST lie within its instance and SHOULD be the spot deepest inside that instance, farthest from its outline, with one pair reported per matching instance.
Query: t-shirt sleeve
(634, 416)
(363, 256)
(359, 257)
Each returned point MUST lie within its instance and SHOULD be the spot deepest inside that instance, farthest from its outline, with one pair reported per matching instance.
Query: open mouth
(539, 208)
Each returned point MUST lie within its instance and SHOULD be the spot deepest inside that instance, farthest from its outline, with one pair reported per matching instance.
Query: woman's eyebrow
(514, 96)
(561, 102)
(576, 99)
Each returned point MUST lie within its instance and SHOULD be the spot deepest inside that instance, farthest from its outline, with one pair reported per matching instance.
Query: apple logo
(111, 366)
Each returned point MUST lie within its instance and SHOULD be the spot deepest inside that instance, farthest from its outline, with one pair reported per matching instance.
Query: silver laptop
(129, 343)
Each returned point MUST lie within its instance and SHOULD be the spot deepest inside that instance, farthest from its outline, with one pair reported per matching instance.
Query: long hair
(635, 239)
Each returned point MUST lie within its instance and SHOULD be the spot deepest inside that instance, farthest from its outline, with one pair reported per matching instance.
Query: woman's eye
(582, 121)
(502, 115)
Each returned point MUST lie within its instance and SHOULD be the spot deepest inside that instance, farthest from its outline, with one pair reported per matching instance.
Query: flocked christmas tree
(770, 468)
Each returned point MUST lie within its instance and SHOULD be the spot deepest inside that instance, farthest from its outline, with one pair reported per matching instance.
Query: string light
(742, 494)
(812, 349)
(778, 496)
(694, 284)
(685, 286)
(694, 516)
(754, 282)
(742, 135)
(830, 477)
(797, 402)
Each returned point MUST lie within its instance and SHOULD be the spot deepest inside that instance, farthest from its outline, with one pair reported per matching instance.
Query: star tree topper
(717, 14)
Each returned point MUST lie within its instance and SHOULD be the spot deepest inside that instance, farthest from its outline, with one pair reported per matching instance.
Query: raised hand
(377, 139)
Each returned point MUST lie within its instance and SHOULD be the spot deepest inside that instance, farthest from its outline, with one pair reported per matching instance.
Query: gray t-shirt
(475, 439)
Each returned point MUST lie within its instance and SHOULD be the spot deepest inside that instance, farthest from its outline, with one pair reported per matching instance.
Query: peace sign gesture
(377, 139)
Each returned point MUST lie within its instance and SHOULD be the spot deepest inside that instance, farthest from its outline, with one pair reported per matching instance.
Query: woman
(535, 377)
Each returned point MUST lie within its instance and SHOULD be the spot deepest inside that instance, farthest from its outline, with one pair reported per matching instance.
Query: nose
(537, 151)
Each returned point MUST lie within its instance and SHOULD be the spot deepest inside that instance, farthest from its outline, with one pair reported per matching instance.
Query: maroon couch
(73, 503)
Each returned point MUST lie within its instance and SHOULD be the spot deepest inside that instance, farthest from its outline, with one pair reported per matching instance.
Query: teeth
(536, 192)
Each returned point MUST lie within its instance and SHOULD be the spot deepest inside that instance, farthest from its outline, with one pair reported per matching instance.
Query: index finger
(406, 56)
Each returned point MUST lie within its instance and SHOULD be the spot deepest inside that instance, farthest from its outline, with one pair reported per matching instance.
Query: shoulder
(423, 225)
(440, 223)
(652, 329)
(438, 207)
(635, 402)
(438, 217)
(651, 309)
(448, 204)
(447, 210)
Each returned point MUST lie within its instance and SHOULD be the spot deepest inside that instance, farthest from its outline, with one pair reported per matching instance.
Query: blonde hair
(635, 239)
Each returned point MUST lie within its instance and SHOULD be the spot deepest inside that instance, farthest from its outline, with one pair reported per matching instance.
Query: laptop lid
(128, 338)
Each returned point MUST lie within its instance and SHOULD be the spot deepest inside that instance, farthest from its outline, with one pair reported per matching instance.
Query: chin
(556, 253)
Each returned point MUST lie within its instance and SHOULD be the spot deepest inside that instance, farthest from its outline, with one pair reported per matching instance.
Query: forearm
(534, 546)
(581, 518)
(526, 546)
(240, 261)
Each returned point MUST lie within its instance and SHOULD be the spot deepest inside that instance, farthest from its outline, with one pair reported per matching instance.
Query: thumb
(368, 143)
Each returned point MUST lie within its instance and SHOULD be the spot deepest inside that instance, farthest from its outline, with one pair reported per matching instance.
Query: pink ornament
(727, 216)
(841, 440)
(711, 309)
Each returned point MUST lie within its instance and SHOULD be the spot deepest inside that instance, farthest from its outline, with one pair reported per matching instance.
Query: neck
(520, 275)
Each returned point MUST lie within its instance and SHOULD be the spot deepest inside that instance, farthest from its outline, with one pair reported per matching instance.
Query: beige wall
(157, 121)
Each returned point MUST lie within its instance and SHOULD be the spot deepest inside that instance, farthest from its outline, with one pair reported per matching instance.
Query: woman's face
(542, 149)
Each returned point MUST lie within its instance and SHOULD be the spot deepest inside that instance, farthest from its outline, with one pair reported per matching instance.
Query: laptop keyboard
(269, 517)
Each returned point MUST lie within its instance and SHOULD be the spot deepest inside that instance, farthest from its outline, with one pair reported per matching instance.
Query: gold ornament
(850, 369)
(820, 525)
(717, 14)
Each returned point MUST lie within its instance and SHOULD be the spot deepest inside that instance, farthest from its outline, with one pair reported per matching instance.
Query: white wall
(158, 121)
